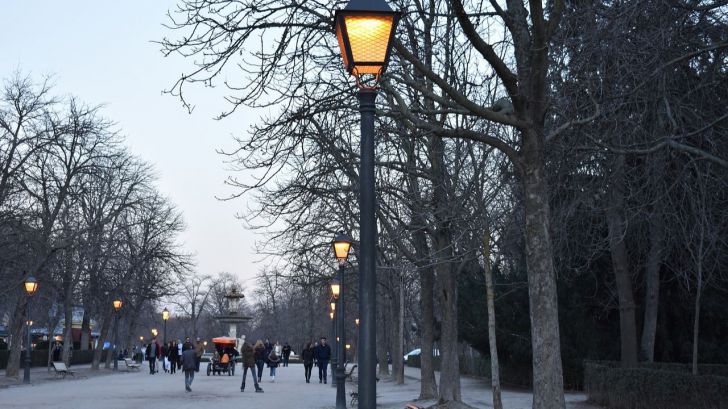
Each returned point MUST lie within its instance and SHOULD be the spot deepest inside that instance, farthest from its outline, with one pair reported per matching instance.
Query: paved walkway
(108, 390)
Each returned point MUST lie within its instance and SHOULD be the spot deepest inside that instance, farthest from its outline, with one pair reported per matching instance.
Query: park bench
(131, 365)
(62, 370)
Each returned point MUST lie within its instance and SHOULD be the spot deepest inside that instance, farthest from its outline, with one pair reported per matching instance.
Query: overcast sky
(102, 53)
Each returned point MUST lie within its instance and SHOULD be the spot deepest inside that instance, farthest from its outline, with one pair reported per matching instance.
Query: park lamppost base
(26, 370)
(340, 351)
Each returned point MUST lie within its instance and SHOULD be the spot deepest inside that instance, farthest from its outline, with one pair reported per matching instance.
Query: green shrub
(645, 387)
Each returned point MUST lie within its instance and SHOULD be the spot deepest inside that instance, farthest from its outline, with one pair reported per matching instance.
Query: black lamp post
(341, 245)
(117, 303)
(165, 317)
(334, 350)
(31, 286)
(365, 29)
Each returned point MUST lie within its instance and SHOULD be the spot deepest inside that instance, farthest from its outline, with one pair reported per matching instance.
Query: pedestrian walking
(199, 350)
(286, 354)
(249, 363)
(307, 356)
(163, 358)
(172, 357)
(260, 358)
(278, 349)
(189, 364)
(322, 356)
(153, 352)
(273, 360)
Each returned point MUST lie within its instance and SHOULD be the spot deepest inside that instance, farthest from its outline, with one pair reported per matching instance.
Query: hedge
(647, 387)
(39, 357)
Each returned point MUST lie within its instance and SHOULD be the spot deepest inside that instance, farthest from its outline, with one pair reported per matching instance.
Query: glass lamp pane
(340, 37)
(342, 250)
(369, 38)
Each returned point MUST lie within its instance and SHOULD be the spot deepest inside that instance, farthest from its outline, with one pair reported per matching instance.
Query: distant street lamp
(154, 332)
(165, 317)
(333, 314)
(117, 303)
(31, 286)
(341, 246)
(365, 29)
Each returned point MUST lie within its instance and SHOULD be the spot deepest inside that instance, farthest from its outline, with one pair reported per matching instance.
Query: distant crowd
(186, 356)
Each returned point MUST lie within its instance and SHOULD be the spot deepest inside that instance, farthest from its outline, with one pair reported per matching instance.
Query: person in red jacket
(153, 353)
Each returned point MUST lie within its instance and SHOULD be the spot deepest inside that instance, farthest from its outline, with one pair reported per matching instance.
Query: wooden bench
(131, 365)
(412, 406)
(62, 370)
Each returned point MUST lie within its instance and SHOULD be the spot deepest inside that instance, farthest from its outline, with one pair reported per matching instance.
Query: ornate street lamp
(117, 303)
(341, 246)
(365, 30)
(31, 286)
(165, 317)
(154, 332)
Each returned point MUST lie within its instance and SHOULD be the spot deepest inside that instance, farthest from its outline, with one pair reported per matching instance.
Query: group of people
(175, 355)
(186, 356)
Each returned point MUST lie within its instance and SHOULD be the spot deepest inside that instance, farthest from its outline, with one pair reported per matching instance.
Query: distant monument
(233, 316)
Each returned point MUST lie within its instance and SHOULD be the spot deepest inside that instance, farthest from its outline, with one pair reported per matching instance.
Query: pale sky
(102, 53)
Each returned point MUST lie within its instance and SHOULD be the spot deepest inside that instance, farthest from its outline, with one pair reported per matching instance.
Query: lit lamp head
(335, 288)
(333, 306)
(331, 315)
(154, 332)
(365, 29)
(342, 245)
(357, 322)
(165, 314)
(30, 285)
(117, 304)
(348, 346)
(141, 339)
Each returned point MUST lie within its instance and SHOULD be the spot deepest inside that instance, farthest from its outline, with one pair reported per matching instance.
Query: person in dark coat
(172, 356)
(273, 360)
(249, 363)
(307, 355)
(268, 349)
(286, 354)
(260, 358)
(153, 353)
(189, 364)
(322, 356)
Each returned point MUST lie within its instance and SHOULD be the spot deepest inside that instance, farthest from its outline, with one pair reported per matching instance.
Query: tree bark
(652, 285)
(620, 264)
(68, 321)
(696, 325)
(490, 294)
(85, 330)
(548, 389)
(382, 343)
(103, 334)
(398, 350)
(428, 385)
(16, 331)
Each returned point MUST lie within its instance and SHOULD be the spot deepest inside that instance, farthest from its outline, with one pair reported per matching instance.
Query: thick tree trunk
(16, 331)
(398, 350)
(652, 285)
(103, 335)
(85, 330)
(68, 323)
(490, 295)
(696, 320)
(428, 385)
(548, 389)
(382, 323)
(620, 263)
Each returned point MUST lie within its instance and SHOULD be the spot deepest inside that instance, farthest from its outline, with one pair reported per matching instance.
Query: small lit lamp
(154, 332)
(356, 321)
(335, 288)
(331, 315)
(165, 317)
(333, 306)
(31, 286)
(117, 303)
(342, 246)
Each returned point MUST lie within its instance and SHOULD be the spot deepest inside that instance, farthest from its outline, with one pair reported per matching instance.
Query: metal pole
(116, 337)
(367, 256)
(28, 348)
(333, 350)
(340, 377)
(165, 332)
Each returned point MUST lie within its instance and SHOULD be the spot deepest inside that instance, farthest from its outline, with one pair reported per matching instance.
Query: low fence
(39, 358)
(656, 386)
